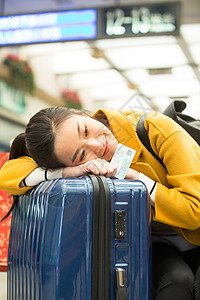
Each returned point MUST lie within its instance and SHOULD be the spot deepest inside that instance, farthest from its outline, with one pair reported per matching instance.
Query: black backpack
(174, 111)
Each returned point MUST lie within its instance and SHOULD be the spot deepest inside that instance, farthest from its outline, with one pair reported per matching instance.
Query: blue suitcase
(86, 238)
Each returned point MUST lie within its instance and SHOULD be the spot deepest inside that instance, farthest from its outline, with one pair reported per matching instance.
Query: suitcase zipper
(101, 239)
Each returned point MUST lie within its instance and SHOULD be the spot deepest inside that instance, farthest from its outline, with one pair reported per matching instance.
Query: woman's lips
(107, 148)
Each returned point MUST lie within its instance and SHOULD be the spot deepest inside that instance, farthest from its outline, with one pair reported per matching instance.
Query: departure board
(90, 24)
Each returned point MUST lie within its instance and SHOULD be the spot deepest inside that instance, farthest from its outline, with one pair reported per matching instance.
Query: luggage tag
(122, 159)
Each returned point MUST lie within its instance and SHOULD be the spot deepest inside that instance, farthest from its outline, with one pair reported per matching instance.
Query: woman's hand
(94, 166)
(132, 174)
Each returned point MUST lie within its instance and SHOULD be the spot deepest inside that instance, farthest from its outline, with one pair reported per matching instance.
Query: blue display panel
(48, 27)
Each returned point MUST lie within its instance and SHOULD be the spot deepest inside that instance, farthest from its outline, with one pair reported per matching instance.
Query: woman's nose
(94, 145)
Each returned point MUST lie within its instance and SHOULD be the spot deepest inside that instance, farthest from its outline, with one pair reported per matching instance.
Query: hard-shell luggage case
(87, 238)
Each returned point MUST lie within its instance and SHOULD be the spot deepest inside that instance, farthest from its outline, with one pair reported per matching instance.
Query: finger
(101, 167)
(104, 167)
(110, 170)
(111, 174)
(91, 168)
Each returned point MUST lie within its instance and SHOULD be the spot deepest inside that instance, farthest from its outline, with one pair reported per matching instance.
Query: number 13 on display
(142, 21)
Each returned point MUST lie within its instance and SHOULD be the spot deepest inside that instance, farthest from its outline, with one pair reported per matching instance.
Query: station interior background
(107, 73)
(122, 73)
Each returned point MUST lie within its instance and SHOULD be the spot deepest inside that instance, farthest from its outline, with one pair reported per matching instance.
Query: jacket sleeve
(13, 172)
(179, 204)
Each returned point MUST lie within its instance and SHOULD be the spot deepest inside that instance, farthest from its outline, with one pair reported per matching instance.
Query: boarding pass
(122, 159)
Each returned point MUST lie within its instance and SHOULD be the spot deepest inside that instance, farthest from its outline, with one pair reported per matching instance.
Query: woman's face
(81, 138)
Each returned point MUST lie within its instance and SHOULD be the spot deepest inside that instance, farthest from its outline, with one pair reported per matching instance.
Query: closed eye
(82, 155)
(86, 131)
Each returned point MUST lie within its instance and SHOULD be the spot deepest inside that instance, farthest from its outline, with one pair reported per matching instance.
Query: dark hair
(18, 147)
(39, 137)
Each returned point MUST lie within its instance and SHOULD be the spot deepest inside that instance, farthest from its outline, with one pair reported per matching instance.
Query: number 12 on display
(142, 21)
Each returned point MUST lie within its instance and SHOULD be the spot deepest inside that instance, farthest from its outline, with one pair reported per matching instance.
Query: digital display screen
(87, 24)
(48, 27)
(140, 20)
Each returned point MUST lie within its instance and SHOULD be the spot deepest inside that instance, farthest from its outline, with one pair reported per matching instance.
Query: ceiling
(112, 73)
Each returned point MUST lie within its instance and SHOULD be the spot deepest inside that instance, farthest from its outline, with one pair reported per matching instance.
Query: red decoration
(71, 99)
(5, 204)
(21, 74)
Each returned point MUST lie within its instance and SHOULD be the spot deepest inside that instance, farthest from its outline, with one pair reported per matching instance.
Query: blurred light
(162, 102)
(52, 48)
(137, 76)
(170, 87)
(77, 60)
(111, 90)
(195, 50)
(136, 41)
(193, 106)
(93, 79)
(183, 72)
(147, 57)
(191, 33)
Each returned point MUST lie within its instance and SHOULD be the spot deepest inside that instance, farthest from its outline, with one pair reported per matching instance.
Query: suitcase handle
(120, 283)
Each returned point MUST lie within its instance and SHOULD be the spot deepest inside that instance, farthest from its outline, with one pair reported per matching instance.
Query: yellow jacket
(177, 200)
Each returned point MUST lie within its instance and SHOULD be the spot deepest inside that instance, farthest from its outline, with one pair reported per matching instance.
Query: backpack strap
(143, 136)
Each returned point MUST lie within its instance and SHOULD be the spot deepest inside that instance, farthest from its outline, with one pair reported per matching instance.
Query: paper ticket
(122, 159)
